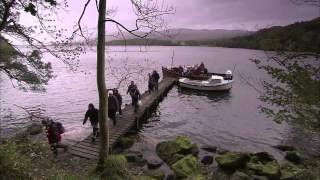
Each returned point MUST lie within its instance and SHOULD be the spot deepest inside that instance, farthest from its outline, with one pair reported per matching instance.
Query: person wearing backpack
(135, 95)
(54, 131)
(93, 115)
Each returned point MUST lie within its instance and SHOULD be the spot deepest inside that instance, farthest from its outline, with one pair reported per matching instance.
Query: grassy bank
(30, 157)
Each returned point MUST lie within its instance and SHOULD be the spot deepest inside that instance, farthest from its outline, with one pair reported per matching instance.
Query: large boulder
(269, 169)
(34, 129)
(232, 160)
(180, 145)
(293, 156)
(186, 167)
(290, 172)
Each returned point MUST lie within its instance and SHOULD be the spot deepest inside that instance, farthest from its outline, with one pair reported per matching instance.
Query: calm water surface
(230, 120)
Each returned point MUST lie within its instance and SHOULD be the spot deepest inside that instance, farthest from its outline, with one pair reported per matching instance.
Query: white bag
(139, 102)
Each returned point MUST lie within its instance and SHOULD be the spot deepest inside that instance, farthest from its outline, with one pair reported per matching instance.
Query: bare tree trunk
(103, 103)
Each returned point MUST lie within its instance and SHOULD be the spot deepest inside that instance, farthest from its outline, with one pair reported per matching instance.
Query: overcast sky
(200, 14)
(211, 14)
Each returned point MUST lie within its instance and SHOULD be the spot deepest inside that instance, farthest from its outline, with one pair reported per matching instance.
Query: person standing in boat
(119, 98)
(201, 69)
(155, 75)
(113, 106)
(135, 95)
(93, 115)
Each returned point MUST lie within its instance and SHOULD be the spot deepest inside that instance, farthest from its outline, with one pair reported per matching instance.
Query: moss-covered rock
(263, 157)
(186, 167)
(293, 156)
(232, 160)
(125, 142)
(290, 171)
(269, 169)
(180, 145)
(239, 176)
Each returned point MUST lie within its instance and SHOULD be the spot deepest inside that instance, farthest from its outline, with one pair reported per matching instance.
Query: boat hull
(219, 87)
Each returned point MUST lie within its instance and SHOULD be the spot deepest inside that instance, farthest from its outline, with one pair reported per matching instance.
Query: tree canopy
(22, 45)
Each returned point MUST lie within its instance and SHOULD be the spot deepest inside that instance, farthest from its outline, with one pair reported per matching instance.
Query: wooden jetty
(128, 120)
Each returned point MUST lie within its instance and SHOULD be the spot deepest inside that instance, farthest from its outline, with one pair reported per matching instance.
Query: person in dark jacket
(112, 107)
(135, 95)
(93, 115)
(54, 136)
(155, 75)
(119, 98)
(151, 83)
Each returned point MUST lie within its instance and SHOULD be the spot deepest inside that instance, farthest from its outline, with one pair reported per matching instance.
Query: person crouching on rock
(54, 136)
(93, 114)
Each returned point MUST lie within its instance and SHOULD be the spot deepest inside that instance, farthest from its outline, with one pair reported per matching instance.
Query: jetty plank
(128, 120)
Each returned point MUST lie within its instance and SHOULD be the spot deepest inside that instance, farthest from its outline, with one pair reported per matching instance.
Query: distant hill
(300, 36)
(205, 34)
(144, 41)
(178, 35)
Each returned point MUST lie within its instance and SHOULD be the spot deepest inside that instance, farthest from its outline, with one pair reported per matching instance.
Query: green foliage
(24, 66)
(295, 96)
(115, 166)
(12, 165)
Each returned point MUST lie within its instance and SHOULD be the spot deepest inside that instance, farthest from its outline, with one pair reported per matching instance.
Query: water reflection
(213, 96)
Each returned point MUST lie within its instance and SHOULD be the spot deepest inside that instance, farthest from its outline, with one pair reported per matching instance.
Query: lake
(230, 120)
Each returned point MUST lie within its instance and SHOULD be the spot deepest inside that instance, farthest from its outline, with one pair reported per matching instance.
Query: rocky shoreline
(180, 155)
(174, 159)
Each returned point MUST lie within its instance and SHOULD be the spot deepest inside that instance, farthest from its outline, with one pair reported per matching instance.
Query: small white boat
(215, 83)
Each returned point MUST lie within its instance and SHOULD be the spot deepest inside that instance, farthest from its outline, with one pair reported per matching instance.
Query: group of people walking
(55, 129)
(115, 102)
